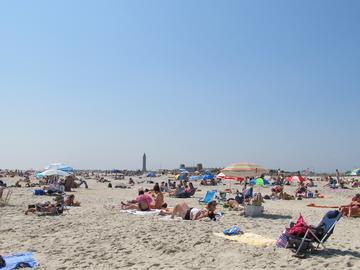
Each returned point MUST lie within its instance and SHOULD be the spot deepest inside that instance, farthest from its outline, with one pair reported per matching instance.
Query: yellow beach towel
(250, 239)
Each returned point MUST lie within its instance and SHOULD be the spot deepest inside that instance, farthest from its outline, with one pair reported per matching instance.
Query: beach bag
(232, 231)
(283, 240)
(299, 229)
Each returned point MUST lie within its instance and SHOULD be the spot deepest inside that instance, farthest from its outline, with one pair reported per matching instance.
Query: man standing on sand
(339, 181)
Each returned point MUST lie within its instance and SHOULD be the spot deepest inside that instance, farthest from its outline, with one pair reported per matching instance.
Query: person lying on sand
(353, 209)
(46, 207)
(318, 195)
(141, 203)
(189, 213)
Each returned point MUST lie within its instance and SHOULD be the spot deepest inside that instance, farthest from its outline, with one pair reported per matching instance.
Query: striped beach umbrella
(244, 170)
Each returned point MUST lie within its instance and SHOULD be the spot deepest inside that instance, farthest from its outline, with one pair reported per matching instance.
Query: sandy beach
(93, 237)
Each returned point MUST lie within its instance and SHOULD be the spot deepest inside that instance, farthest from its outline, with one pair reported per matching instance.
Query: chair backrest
(209, 196)
(248, 193)
(327, 224)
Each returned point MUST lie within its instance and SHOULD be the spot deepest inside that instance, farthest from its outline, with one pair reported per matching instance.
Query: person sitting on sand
(131, 182)
(310, 183)
(285, 196)
(257, 200)
(162, 187)
(276, 191)
(301, 191)
(70, 201)
(142, 202)
(188, 213)
(234, 205)
(353, 209)
(158, 196)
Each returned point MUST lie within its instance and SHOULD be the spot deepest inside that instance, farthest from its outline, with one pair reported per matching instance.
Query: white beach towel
(141, 213)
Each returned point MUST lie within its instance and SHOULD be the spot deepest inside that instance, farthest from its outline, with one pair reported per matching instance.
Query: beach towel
(13, 261)
(141, 213)
(250, 239)
(321, 206)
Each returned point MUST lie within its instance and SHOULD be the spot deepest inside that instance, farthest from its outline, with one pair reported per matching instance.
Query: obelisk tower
(144, 163)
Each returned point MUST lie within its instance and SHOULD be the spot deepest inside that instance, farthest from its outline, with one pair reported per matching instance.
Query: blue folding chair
(209, 197)
(319, 234)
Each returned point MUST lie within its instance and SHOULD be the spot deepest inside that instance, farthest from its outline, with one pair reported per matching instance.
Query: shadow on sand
(331, 252)
(275, 216)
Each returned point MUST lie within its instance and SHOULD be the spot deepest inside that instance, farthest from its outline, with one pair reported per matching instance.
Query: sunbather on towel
(140, 203)
(41, 207)
(188, 213)
(353, 209)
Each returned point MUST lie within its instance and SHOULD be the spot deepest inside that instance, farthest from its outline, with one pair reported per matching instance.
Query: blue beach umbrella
(208, 177)
(60, 167)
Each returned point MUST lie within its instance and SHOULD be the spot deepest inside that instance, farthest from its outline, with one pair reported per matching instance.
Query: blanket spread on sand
(250, 239)
(13, 261)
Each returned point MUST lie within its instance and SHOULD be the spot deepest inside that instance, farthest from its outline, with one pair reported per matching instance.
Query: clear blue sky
(97, 83)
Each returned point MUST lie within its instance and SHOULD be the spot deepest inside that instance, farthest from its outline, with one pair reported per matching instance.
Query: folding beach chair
(316, 235)
(209, 197)
(6, 197)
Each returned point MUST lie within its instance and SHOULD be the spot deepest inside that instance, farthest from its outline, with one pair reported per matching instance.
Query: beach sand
(92, 237)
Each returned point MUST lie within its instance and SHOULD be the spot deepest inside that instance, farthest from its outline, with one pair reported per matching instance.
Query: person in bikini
(188, 213)
(158, 196)
(353, 209)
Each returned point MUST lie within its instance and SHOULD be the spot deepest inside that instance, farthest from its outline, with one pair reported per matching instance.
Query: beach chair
(316, 235)
(6, 197)
(209, 197)
(223, 196)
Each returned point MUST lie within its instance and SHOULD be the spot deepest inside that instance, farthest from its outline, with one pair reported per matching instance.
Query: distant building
(144, 163)
(191, 169)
